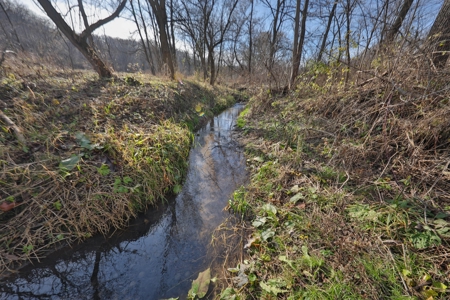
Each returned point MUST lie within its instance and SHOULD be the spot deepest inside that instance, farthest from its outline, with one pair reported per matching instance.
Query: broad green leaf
(201, 284)
(267, 234)
(283, 258)
(259, 221)
(406, 272)
(441, 215)
(443, 231)
(441, 223)
(177, 188)
(127, 179)
(258, 159)
(439, 285)
(296, 197)
(295, 189)
(270, 208)
(305, 251)
(429, 293)
(426, 277)
(83, 141)
(271, 289)
(57, 205)
(233, 270)
(70, 163)
(228, 294)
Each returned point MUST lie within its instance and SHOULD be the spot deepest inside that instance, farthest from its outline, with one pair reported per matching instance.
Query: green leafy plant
(200, 285)
(104, 170)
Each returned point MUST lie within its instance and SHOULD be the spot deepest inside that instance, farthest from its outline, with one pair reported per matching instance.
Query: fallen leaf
(201, 284)
(301, 205)
(295, 189)
(70, 163)
(7, 206)
(271, 289)
(296, 197)
(251, 242)
(10, 256)
(258, 159)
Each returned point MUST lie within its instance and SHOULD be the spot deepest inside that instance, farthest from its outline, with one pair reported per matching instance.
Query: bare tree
(250, 40)
(440, 35)
(141, 27)
(159, 9)
(12, 26)
(80, 40)
(299, 39)
(394, 29)
(278, 14)
(327, 30)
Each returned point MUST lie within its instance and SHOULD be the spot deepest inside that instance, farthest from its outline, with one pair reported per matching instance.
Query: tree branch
(88, 31)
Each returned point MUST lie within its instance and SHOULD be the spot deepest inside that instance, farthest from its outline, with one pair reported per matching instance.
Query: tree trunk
(392, 32)
(327, 30)
(295, 52)
(298, 45)
(80, 40)
(348, 12)
(250, 42)
(159, 9)
(440, 36)
(212, 67)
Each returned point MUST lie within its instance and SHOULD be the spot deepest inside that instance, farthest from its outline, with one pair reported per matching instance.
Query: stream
(163, 250)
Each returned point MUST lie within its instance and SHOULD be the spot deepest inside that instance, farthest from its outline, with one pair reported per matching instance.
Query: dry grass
(96, 151)
(369, 163)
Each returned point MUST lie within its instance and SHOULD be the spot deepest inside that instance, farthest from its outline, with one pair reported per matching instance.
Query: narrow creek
(162, 251)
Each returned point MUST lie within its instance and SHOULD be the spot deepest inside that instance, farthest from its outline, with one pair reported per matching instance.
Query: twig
(15, 129)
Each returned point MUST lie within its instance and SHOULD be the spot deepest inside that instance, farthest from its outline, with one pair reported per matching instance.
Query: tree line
(265, 40)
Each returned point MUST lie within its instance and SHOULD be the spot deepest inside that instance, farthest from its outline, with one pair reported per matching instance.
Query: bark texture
(440, 36)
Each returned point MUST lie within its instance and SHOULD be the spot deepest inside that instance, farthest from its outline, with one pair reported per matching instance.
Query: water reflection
(161, 252)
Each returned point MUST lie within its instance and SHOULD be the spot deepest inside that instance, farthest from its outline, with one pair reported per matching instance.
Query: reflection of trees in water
(62, 279)
(182, 234)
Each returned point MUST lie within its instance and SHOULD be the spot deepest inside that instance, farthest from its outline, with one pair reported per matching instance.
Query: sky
(119, 27)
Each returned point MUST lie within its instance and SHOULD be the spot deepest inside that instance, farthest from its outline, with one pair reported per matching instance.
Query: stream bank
(97, 152)
(162, 251)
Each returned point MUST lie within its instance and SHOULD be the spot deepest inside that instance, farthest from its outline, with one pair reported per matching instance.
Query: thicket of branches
(270, 41)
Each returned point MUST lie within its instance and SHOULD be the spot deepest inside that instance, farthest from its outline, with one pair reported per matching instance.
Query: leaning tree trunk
(440, 36)
(395, 28)
(80, 40)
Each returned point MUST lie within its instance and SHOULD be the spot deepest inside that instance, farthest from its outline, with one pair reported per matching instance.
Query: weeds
(349, 189)
(97, 153)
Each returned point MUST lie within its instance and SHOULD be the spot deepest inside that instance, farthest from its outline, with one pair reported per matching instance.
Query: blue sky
(118, 27)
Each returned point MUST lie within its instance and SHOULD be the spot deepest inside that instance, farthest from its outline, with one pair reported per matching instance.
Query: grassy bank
(86, 155)
(349, 195)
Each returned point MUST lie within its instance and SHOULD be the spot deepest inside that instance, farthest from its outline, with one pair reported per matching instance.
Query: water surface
(163, 250)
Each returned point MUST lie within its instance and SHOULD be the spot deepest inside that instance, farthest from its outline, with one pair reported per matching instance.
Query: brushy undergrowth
(349, 195)
(96, 152)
